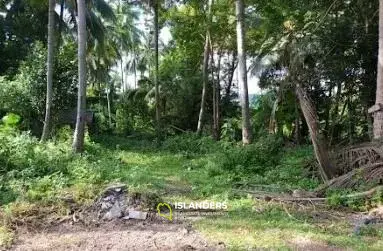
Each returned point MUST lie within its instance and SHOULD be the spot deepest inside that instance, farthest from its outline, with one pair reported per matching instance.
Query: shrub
(28, 167)
(254, 158)
(190, 143)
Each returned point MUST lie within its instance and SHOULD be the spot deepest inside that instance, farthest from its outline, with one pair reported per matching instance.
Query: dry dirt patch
(115, 236)
(108, 225)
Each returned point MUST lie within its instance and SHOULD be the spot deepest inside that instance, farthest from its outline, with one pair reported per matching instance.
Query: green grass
(252, 224)
(179, 175)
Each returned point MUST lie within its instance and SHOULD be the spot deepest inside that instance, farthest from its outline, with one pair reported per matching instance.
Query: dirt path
(115, 237)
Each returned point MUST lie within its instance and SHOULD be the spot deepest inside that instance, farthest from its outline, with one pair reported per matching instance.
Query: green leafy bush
(254, 158)
(190, 143)
(28, 168)
(231, 130)
(9, 123)
(25, 93)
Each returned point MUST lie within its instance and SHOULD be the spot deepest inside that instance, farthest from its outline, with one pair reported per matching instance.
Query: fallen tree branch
(177, 128)
(351, 179)
(365, 194)
(288, 198)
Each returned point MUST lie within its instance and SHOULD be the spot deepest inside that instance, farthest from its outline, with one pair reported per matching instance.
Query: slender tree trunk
(108, 92)
(242, 73)
(377, 109)
(215, 81)
(328, 113)
(135, 68)
(297, 134)
(157, 89)
(214, 97)
(122, 75)
(273, 121)
(204, 85)
(217, 87)
(335, 118)
(50, 64)
(61, 20)
(205, 77)
(135, 78)
(233, 66)
(78, 141)
(308, 109)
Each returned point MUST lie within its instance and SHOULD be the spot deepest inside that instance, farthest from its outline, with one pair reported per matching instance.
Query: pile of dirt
(117, 203)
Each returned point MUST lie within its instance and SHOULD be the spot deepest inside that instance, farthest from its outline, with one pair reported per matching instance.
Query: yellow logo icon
(161, 207)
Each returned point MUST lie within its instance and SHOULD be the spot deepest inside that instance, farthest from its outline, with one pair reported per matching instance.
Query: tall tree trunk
(326, 169)
(123, 87)
(212, 65)
(231, 72)
(328, 113)
(135, 68)
(205, 77)
(242, 73)
(157, 89)
(377, 109)
(273, 121)
(78, 141)
(61, 21)
(50, 64)
(335, 117)
(297, 134)
(108, 92)
(217, 88)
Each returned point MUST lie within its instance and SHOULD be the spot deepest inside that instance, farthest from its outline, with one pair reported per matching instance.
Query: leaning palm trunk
(326, 169)
(78, 142)
(377, 109)
(242, 73)
(204, 84)
(50, 62)
(205, 77)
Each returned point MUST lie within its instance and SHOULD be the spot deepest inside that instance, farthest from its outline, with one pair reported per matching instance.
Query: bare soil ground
(138, 237)
(89, 230)
(114, 236)
(153, 234)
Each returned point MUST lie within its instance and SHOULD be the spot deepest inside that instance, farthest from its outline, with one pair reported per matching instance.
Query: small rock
(138, 215)
(114, 213)
(105, 205)
(184, 231)
(116, 188)
(188, 247)
(108, 198)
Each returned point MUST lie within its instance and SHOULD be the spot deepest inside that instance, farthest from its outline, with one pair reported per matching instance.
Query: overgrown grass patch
(252, 225)
(36, 180)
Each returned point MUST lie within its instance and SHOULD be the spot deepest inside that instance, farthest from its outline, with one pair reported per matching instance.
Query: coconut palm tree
(377, 109)
(242, 73)
(48, 106)
(78, 141)
(205, 69)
